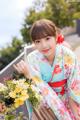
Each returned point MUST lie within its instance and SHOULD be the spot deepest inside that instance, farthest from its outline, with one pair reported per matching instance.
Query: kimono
(57, 82)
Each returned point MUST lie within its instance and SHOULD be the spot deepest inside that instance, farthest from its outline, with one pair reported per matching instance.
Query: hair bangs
(42, 29)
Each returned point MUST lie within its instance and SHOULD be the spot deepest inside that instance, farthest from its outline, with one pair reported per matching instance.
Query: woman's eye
(37, 41)
(47, 38)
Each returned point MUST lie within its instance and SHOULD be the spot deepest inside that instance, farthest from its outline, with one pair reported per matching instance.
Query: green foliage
(29, 20)
(37, 12)
(61, 12)
(17, 76)
(9, 117)
(32, 98)
(75, 8)
(10, 52)
(15, 116)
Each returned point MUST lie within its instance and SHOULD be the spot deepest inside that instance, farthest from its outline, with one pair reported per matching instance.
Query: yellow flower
(12, 94)
(24, 92)
(68, 59)
(18, 102)
(36, 79)
(26, 84)
(24, 95)
(18, 89)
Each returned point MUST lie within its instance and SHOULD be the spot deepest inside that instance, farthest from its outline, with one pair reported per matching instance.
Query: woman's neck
(50, 59)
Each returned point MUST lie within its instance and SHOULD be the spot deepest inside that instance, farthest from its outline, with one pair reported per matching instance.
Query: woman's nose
(43, 44)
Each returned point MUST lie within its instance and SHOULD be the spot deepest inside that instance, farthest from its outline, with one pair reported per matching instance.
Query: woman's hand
(2, 107)
(22, 68)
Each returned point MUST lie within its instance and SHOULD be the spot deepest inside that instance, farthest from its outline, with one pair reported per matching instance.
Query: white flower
(2, 87)
(20, 81)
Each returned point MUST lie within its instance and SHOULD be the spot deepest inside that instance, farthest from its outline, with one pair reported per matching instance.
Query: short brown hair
(42, 28)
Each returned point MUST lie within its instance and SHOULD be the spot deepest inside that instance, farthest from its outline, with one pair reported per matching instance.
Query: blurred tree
(62, 12)
(10, 52)
(38, 11)
(75, 8)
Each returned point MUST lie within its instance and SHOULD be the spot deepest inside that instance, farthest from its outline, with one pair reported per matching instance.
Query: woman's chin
(47, 54)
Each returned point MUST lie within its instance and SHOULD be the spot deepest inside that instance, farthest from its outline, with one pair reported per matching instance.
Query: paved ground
(77, 52)
(74, 41)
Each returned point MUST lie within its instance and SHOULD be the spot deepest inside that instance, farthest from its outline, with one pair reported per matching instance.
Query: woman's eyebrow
(37, 40)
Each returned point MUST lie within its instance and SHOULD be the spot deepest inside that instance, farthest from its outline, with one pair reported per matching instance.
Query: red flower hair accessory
(60, 39)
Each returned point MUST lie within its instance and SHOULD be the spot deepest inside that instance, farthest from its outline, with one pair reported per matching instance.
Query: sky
(12, 13)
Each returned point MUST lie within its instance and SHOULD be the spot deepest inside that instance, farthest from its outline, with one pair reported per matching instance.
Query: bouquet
(14, 93)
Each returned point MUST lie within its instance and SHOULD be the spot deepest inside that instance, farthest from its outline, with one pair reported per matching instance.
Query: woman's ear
(33, 43)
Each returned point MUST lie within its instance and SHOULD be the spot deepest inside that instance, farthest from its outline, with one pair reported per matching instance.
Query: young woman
(57, 68)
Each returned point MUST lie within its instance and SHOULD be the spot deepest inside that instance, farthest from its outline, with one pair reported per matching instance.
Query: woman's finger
(21, 67)
(16, 67)
(24, 66)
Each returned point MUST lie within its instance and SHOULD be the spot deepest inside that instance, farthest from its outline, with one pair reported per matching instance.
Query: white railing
(10, 64)
(9, 68)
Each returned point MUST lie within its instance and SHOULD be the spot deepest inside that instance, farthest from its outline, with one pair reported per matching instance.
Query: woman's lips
(45, 51)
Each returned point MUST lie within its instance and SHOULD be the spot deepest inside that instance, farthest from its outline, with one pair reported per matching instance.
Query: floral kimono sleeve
(33, 65)
(73, 73)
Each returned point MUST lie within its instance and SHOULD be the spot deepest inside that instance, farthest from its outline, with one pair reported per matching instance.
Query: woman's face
(46, 45)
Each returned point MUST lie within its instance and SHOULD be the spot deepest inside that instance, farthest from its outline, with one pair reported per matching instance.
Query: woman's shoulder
(33, 53)
(67, 55)
(66, 50)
